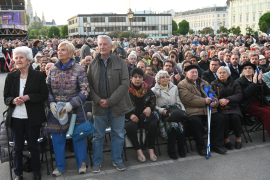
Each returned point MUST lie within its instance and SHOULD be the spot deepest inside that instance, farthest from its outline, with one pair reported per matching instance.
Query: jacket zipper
(61, 100)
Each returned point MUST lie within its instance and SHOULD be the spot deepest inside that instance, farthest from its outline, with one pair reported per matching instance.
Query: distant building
(29, 11)
(246, 13)
(150, 24)
(205, 17)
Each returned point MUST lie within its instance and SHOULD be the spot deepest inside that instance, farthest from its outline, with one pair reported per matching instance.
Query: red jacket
(56, 47)
(149, 80)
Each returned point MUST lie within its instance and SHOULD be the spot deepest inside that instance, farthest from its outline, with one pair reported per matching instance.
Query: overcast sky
(61, 10)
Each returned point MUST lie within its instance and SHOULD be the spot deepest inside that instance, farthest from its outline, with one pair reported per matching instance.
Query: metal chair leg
(45, 152)
(244, 134)
(247, 131)
(263, 133)
(50, 145)
(190, 144)
(9, 156)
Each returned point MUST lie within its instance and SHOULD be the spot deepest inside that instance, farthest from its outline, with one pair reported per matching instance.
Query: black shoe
(181, 146)
(238, 145)
(182, 153)
(219, 149)
(248, 122)
(202, 152)
(37, 176)
(19, 178)
(229, 145)
(172, 155)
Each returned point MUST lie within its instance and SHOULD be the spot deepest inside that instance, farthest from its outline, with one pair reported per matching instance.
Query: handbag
(83, 129)
(176, 115)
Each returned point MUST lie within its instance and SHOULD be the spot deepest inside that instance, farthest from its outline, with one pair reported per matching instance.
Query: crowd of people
(134, 84)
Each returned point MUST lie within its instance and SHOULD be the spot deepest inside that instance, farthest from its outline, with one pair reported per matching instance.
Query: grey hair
(159, 74)
(244, 53)
(89, 39)
(24, 50)
(131, 54)
(226, 68)
(105, 37)
(203, 53)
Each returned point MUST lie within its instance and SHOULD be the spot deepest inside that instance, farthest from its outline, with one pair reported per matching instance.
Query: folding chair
(259, 126)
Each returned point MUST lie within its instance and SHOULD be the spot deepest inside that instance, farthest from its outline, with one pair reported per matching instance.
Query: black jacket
(248, 90)
(222, 63)
(204, 65)
(141, 44)
(234, 74)
(37, 91)
(208, 76)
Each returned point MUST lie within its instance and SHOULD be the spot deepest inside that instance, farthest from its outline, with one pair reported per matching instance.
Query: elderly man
(109, 83)
(54, 46)
(204, 62)
(132, 58)
(85, 50)
(221, 58)
(194, 61)
(77, 55)
(193, 97)
(149, 80)
(87, 59)
(210, 75)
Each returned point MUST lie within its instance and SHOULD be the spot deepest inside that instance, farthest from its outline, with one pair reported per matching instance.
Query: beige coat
(191, 97)
(164, 97)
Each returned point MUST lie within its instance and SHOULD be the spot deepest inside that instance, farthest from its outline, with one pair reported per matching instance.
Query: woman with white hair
(132, 58)
(229, 95)
(68, 87)
(24, 93)
(166, 96)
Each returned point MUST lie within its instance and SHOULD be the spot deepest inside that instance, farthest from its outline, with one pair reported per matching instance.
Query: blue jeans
(117, 136)
(59, 142)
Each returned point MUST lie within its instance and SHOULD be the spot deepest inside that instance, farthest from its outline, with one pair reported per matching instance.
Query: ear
(131, 78)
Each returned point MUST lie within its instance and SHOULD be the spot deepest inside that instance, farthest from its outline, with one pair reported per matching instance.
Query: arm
(122, 88)
(178, 101)
(42, 95)
(8, 98)
(95, 98)
(51, 97)
(237, 96)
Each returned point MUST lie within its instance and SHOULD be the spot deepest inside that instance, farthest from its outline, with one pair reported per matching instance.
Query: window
(240, 18)
(117, 19)
(253, 16)
(88, 29)
(254, 7)
(260, 6)
(223, 15)
(223, 23)
(253, 26)
(72, 31)
(69, 23)
(233, 19)
(213, 23)
(138, 19)
(85, 19)
(246, 26)
(247, 17)
(206, 23)
(247, 8)
(234, 10)
(268, 5)
(240, 9)
(218, 15)
(164, 27)
(97, 19)
(76, 20)
(260, 14)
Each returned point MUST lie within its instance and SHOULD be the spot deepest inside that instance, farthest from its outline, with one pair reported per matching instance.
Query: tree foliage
(249, 30)
(36, 25)
(125, 34)
(207, 30)
(191, 31)
(223, 30)
(53, 32)
(183, 27)
(264, 18)
(64, 31)
(264, 27)
(174, 26)
(27, 19)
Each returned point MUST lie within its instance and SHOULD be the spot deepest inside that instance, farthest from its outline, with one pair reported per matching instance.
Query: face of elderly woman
(192, 75)
(204, 57)
(247, 71)
(63, 53)
(164, 80)
(137, 79)
(223, 75)
(21, 61)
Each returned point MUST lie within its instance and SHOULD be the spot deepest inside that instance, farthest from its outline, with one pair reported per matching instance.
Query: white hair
(105, 37)
(203, 53)
(131, 54)
(24, 50)
(159, 74)
(226, 68)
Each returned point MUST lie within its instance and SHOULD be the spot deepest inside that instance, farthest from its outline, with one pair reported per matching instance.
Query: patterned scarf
(138, 93)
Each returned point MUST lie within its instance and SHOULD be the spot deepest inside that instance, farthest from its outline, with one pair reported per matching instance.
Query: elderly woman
(68, 84)
(167, 95)
(229, 95)
(132, 58)
(254, 92)
(204, 62)
(143, 99)
(35, 64)
(36, 47)
(156, 62)
(25, 92)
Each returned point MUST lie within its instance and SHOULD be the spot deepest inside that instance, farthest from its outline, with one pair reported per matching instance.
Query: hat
(60, 116)
(188, 68)
(261, 57)
(247, 64)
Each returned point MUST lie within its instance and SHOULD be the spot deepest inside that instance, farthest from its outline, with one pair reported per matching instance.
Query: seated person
(252, 89)
(210, 74)
(175, 77)
(204, 62)
(149, 80)
(167, 93)
(156, 62)
(144, 101)
(150, 71)
(229, 95)
(193, 96)
(194, 61)
(263, 62)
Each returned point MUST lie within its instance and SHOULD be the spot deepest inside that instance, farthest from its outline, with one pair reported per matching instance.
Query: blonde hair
(70, 47)
(115, 45)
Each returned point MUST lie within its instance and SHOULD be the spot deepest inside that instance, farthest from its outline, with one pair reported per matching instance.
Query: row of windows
(253, 7)
(125, 28)
(206, 16)
(114, 19)
(72, 21)
(247, 17)
(205, 24)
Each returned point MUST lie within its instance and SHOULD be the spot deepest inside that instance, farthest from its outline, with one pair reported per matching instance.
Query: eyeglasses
(168, 65)
(165, 77)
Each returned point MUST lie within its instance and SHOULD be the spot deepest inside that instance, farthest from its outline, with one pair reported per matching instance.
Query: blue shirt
(105, 62)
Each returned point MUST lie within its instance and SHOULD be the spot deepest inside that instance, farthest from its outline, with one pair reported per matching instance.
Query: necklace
(24, 82)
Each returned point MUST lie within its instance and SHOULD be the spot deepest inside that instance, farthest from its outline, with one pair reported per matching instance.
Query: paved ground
(251, 162)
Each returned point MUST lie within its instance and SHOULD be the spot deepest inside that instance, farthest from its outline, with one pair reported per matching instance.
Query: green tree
(191, 31)
(27, 19)
(43, 31)
(264, 27)
(249, 30)
(183, 27)
(141, 35)
(114, 34)
(223, 30)
(36, 25)
(174, 26)
(237, 30)
(64, 31)
(264, 18)
(53, 32)
(207, 30)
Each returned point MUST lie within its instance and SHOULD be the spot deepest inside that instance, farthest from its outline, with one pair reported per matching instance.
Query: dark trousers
(233, 122)
(21, 131)
(132, 128)
(172, 137)
(2, 62)
(216, 129)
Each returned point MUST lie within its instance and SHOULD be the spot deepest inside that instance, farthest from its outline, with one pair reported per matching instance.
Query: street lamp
(104, 30)
(94, 30)
(87, 25)
(130, 17)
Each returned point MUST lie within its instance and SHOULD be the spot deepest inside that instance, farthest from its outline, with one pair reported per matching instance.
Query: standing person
(67, 83)
(109, 83)
(36, 47)
(85, 49)
(54, 45)
(24, 92)
(2, 58)
(149, 80)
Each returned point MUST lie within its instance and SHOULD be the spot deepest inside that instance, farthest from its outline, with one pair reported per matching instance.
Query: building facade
(150, 24)
(246, 13)
(198, 19)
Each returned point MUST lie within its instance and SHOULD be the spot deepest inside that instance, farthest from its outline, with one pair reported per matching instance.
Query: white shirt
(20, 111)
(1, 54)
(227, 64)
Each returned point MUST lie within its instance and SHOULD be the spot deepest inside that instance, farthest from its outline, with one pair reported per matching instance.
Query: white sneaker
(82, 170)
(57, 173)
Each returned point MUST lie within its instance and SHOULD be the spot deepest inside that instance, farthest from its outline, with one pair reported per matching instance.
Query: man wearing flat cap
(194, 98)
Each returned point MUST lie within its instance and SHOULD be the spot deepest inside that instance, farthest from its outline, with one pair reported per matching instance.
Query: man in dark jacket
(234, 66)
(85, 50)
(254, 59)
(221, 58)
(210, 75)
(141, 43)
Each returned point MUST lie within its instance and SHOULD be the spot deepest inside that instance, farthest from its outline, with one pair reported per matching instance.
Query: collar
(106, 59)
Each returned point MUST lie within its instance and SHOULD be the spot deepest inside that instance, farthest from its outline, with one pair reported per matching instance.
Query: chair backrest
(88, 105)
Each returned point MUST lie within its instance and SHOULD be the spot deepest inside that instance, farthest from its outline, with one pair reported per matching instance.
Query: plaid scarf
(138, 93)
